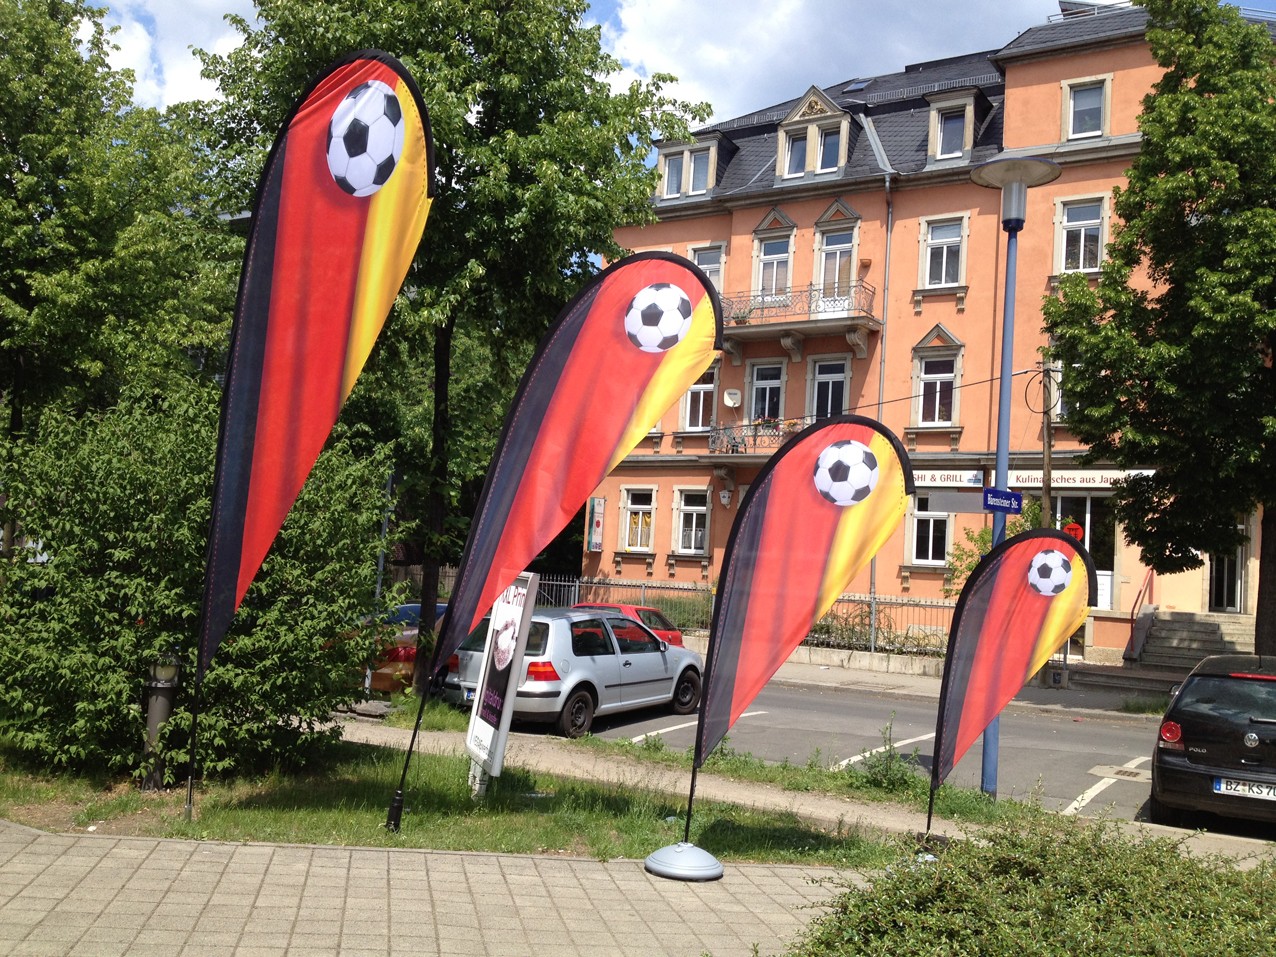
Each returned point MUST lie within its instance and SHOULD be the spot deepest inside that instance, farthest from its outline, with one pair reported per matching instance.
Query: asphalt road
(1072, 764)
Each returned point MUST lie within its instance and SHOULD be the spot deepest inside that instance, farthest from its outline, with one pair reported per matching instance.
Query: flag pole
(394, 814)
(190, 768)
(691, 796)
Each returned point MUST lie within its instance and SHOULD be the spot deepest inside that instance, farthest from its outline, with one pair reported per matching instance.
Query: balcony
(794, 314)
(761, 437)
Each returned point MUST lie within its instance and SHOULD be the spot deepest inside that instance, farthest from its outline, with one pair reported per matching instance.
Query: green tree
(100, 265)
(1178, 379)
(538, 160)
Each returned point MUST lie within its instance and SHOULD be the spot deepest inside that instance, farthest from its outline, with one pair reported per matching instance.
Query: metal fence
(856, 622)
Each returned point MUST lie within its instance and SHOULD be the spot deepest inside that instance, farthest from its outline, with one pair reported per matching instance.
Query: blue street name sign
(1000, 500)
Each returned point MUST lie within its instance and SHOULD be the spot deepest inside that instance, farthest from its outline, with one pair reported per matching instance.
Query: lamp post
(1013, 176)
(161, 688)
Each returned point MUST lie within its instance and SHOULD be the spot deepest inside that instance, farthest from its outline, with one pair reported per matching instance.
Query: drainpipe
(881, 390)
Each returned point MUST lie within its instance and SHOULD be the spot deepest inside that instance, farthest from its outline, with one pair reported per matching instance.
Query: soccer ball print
(846, 472)
(658, 318)
(365, 138)
(1049, 572)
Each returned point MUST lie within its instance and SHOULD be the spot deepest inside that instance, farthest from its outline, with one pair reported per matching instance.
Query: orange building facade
(861, 270)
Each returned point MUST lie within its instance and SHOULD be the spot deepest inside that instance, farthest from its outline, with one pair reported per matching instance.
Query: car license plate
(1245, 788)
(469, 694)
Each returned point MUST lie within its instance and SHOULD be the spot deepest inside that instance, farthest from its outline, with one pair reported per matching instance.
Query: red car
(651, 617)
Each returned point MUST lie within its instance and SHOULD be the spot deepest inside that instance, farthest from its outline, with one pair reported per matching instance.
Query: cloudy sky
(739, 55)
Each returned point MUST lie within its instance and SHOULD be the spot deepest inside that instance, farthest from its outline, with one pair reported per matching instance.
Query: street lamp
(161, 688)
(1013, 176)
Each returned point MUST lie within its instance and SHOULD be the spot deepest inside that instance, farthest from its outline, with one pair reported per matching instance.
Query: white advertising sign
(500, 673)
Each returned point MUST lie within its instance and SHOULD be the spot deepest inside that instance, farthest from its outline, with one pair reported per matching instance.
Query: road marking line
(885, 747)
(678, 727)
(1098, 789)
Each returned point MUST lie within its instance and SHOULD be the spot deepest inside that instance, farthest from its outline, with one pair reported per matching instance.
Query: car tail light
(454, 663)
(1242, 674)
(541, 671)
(1171, 736)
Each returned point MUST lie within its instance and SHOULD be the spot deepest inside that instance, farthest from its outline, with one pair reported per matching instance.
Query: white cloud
(745, 55)
(155, 40)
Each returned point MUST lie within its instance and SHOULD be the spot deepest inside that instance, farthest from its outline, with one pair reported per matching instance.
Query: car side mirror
(664, 646)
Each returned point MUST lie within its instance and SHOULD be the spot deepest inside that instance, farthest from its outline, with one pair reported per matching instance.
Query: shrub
(1057, 886)
(116, 506)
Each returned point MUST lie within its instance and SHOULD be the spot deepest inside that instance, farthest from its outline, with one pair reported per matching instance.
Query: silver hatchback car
(583, 662)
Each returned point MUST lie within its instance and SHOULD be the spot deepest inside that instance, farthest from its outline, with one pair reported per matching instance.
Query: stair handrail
(1134, 646)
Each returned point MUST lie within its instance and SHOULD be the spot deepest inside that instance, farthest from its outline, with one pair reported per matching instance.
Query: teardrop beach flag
(340, 210)
(817, 512)
(614, 361)
(1024, 599)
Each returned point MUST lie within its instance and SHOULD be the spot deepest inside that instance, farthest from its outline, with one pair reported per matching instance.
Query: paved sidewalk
(98, 896)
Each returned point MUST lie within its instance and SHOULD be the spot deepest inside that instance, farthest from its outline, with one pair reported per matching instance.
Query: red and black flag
(618, 356)
(340, 210)
(817, 512)
(1024, 599)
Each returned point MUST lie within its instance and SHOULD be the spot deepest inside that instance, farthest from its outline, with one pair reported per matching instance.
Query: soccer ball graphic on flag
(365, 138)
(658, 318)
(1050, 572)
(846, 472)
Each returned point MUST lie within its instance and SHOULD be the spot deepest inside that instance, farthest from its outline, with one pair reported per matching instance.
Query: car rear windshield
(537, 638)
(1227, 697)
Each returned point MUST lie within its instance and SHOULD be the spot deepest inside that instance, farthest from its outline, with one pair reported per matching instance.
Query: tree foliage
(115, 506)
(1177, 378)
(99, 282)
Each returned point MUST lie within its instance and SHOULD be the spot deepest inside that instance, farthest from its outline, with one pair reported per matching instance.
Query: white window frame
(942, 117)
(702, 395)
(674, 165)
(814, 378)
(925, 519)
(1063, 228)
(778, 385)
(1103, 83)
(628, 509)
(764, 259)
(791, 141)
(698, 516)
(841, 253)
(698, 161)
(825, 134)
(930, 389)
(961, 221)
(711, 259)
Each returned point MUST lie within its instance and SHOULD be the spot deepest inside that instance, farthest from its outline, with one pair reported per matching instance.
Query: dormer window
(955, 115)
(812, 139)
(688, 171)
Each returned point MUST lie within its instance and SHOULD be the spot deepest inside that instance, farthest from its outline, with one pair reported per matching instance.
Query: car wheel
(577, 715)
(1159, 813)
(686, 694)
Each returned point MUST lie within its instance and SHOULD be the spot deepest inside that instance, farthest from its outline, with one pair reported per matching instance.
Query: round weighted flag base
(684, 862)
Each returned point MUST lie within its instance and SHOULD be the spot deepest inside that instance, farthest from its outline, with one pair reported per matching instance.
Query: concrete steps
(1177, 641)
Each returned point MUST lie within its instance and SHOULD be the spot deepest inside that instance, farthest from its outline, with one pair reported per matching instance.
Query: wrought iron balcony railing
(810, 302)
(761, 435)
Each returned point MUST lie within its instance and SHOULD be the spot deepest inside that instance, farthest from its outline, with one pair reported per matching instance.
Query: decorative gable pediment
(938, 338)
(774, 220)
(838, 213)
(813, 105)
